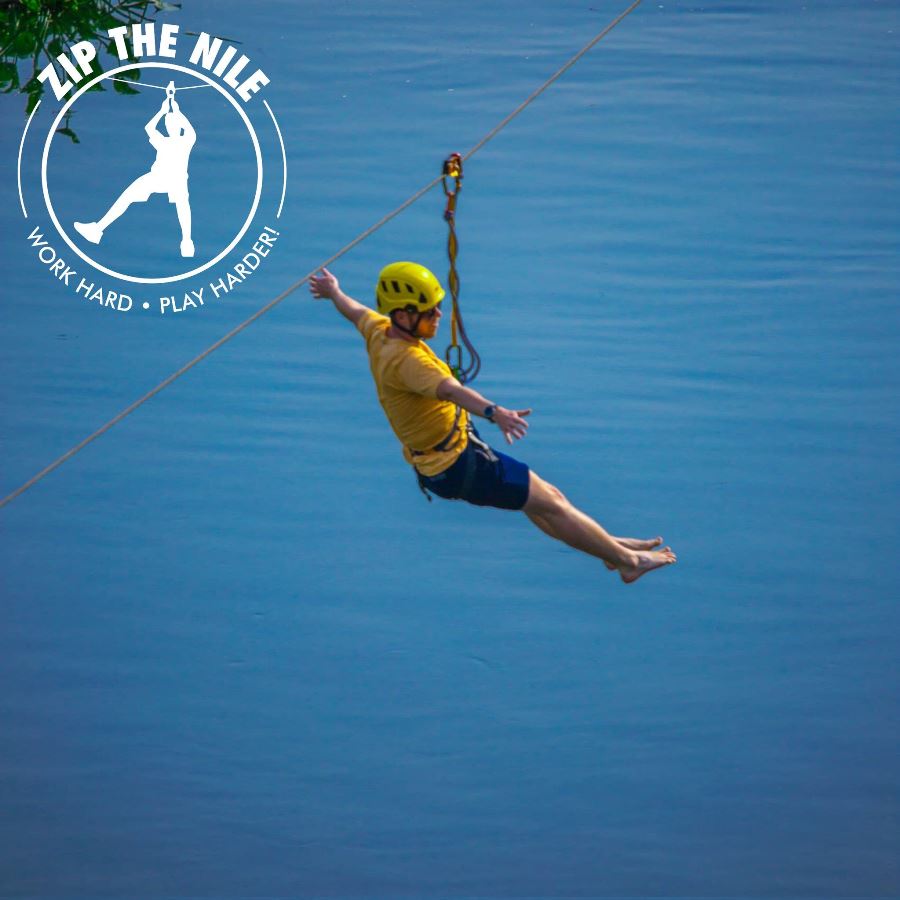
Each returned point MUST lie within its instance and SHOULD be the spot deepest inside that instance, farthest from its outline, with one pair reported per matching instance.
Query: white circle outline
(241, 113)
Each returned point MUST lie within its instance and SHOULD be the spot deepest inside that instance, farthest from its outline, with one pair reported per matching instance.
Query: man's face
(429, 322)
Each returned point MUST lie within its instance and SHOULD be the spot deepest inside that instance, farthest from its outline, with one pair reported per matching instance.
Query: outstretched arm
(326, 287)
(510, 421)
(150, 127)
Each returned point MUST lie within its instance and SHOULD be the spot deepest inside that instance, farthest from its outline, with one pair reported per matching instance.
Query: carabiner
(455, 365)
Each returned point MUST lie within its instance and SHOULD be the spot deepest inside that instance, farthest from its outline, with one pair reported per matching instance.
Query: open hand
(323, 286)
(511, 422)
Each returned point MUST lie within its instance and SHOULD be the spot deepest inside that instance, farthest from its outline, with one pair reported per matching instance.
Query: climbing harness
(445, 443)
(474, 445)
(453, 170)
(451, 438)
(290, 290)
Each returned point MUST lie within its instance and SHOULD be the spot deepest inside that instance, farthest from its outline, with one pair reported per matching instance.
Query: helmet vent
(409, 288)
(396, 286)
(383, 285)
(423, 298)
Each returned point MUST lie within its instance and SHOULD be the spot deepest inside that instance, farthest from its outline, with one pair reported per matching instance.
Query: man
(168, 175)
(430, 411)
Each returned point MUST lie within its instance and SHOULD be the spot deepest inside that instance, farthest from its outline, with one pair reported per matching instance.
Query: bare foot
(648, 560)
(638, 544)
(634, 544)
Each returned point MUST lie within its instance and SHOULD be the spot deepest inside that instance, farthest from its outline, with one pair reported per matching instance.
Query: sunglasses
(431, 313)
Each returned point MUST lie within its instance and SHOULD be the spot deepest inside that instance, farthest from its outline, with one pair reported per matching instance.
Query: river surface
(241, 655)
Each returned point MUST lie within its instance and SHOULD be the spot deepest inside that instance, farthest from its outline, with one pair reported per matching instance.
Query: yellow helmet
(409, 286)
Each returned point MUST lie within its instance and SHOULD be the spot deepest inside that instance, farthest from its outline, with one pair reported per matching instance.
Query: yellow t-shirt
(407, 376)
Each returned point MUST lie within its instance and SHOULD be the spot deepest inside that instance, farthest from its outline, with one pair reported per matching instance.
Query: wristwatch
(489, 412)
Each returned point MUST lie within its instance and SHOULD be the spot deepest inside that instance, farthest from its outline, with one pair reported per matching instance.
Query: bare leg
(549, 509)
(183, 208)
(136, 192)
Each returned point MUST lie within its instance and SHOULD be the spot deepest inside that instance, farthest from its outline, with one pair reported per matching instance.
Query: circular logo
(167, 176)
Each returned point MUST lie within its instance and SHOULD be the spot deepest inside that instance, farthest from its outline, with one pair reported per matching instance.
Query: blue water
(241, 655)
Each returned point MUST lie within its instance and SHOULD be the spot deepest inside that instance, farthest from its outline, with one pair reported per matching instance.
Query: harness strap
(445, 443)
(422, 487)
(469, 474)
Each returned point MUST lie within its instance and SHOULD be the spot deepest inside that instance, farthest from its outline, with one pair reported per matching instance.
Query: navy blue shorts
(481, 476)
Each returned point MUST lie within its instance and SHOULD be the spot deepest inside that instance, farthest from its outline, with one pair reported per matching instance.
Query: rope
(468, 372)
(222, 340)
(158, 87)
(273, 303)
(493, 132)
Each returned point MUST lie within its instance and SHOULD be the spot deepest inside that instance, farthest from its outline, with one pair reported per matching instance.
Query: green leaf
(69, 134)
(64, 23)
(25, 44)
(13, 81)
(96, 69)
(121, 88)
(33, 99)
(33, 5)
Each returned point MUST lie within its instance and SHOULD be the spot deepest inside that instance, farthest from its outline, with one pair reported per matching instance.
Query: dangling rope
(288, 291)
(453, 169)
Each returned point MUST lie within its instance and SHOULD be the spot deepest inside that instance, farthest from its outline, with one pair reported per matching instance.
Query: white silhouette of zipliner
(168, 175)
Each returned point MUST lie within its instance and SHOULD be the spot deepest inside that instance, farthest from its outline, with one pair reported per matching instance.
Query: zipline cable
(222, 340)
(159, 87)
(551, 79)
(287, 292)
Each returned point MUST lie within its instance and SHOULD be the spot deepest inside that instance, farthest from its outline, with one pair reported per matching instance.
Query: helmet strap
(410, 331)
